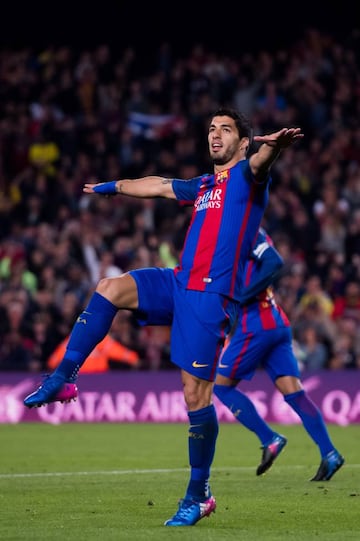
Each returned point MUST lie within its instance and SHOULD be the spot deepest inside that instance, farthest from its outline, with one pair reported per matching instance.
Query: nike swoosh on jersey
(199, 365)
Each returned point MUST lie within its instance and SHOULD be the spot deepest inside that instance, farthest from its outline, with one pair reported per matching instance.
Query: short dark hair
(241, 121)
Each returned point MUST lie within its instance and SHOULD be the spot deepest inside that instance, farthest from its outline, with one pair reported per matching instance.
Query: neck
(219, 168)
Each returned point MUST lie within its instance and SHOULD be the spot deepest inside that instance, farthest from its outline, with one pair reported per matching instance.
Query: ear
(244, 144)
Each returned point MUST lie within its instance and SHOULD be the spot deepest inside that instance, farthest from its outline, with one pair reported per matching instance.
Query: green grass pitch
(122, 481)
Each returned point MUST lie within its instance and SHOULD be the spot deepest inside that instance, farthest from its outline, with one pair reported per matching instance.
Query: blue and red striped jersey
(262, 315)
(227, 210)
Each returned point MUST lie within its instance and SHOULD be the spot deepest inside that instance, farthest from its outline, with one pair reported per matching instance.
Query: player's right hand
(104, 188)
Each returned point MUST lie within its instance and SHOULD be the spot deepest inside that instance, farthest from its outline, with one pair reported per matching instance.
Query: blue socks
(312, 420)
(203, 432)
(244, 411)
(91, 327)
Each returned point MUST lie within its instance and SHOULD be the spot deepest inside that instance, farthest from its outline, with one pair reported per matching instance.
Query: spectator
(348, 305)
(101, 359)
(15, 354)
(344, 356)
(315, 294)
(314, 351)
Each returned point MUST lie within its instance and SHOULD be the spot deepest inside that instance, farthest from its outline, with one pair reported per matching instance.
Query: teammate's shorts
(199, 321)
(268, 349)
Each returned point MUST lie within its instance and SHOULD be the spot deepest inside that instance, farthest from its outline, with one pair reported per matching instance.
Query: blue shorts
(199, 321)
(269, 349)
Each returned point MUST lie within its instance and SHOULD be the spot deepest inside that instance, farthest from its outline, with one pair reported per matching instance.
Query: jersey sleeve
(261, 269)
(186, 191)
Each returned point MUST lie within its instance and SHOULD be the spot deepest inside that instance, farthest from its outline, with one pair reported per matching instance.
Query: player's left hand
(282, 138)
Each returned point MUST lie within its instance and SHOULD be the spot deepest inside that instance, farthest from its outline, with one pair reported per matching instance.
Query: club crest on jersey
(221, 177)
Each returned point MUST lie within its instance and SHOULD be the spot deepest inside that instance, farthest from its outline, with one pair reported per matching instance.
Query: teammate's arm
(145, 187)
(264, 265)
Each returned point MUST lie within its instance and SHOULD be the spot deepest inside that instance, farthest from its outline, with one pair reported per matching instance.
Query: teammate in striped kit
(263, 338)
(200, 298)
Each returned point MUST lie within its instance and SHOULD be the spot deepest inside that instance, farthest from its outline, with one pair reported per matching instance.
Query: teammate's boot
(52, 389)
(190, 512)
(329, 465)
(271, 452)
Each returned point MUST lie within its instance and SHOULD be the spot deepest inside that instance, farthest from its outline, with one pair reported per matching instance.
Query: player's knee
(103, 285)
(197, 394)
(288, 385)
(121, 291)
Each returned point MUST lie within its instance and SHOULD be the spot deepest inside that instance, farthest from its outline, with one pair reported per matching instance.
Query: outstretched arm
(145, 187)
(272, 144)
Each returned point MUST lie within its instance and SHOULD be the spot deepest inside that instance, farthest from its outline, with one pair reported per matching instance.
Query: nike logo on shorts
(223, 365)
(199, 365)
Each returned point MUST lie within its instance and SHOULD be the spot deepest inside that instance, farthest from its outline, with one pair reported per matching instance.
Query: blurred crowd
(68, 117)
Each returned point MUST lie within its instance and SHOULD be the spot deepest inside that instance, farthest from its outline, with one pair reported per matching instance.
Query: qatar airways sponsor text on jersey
(210, 199)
